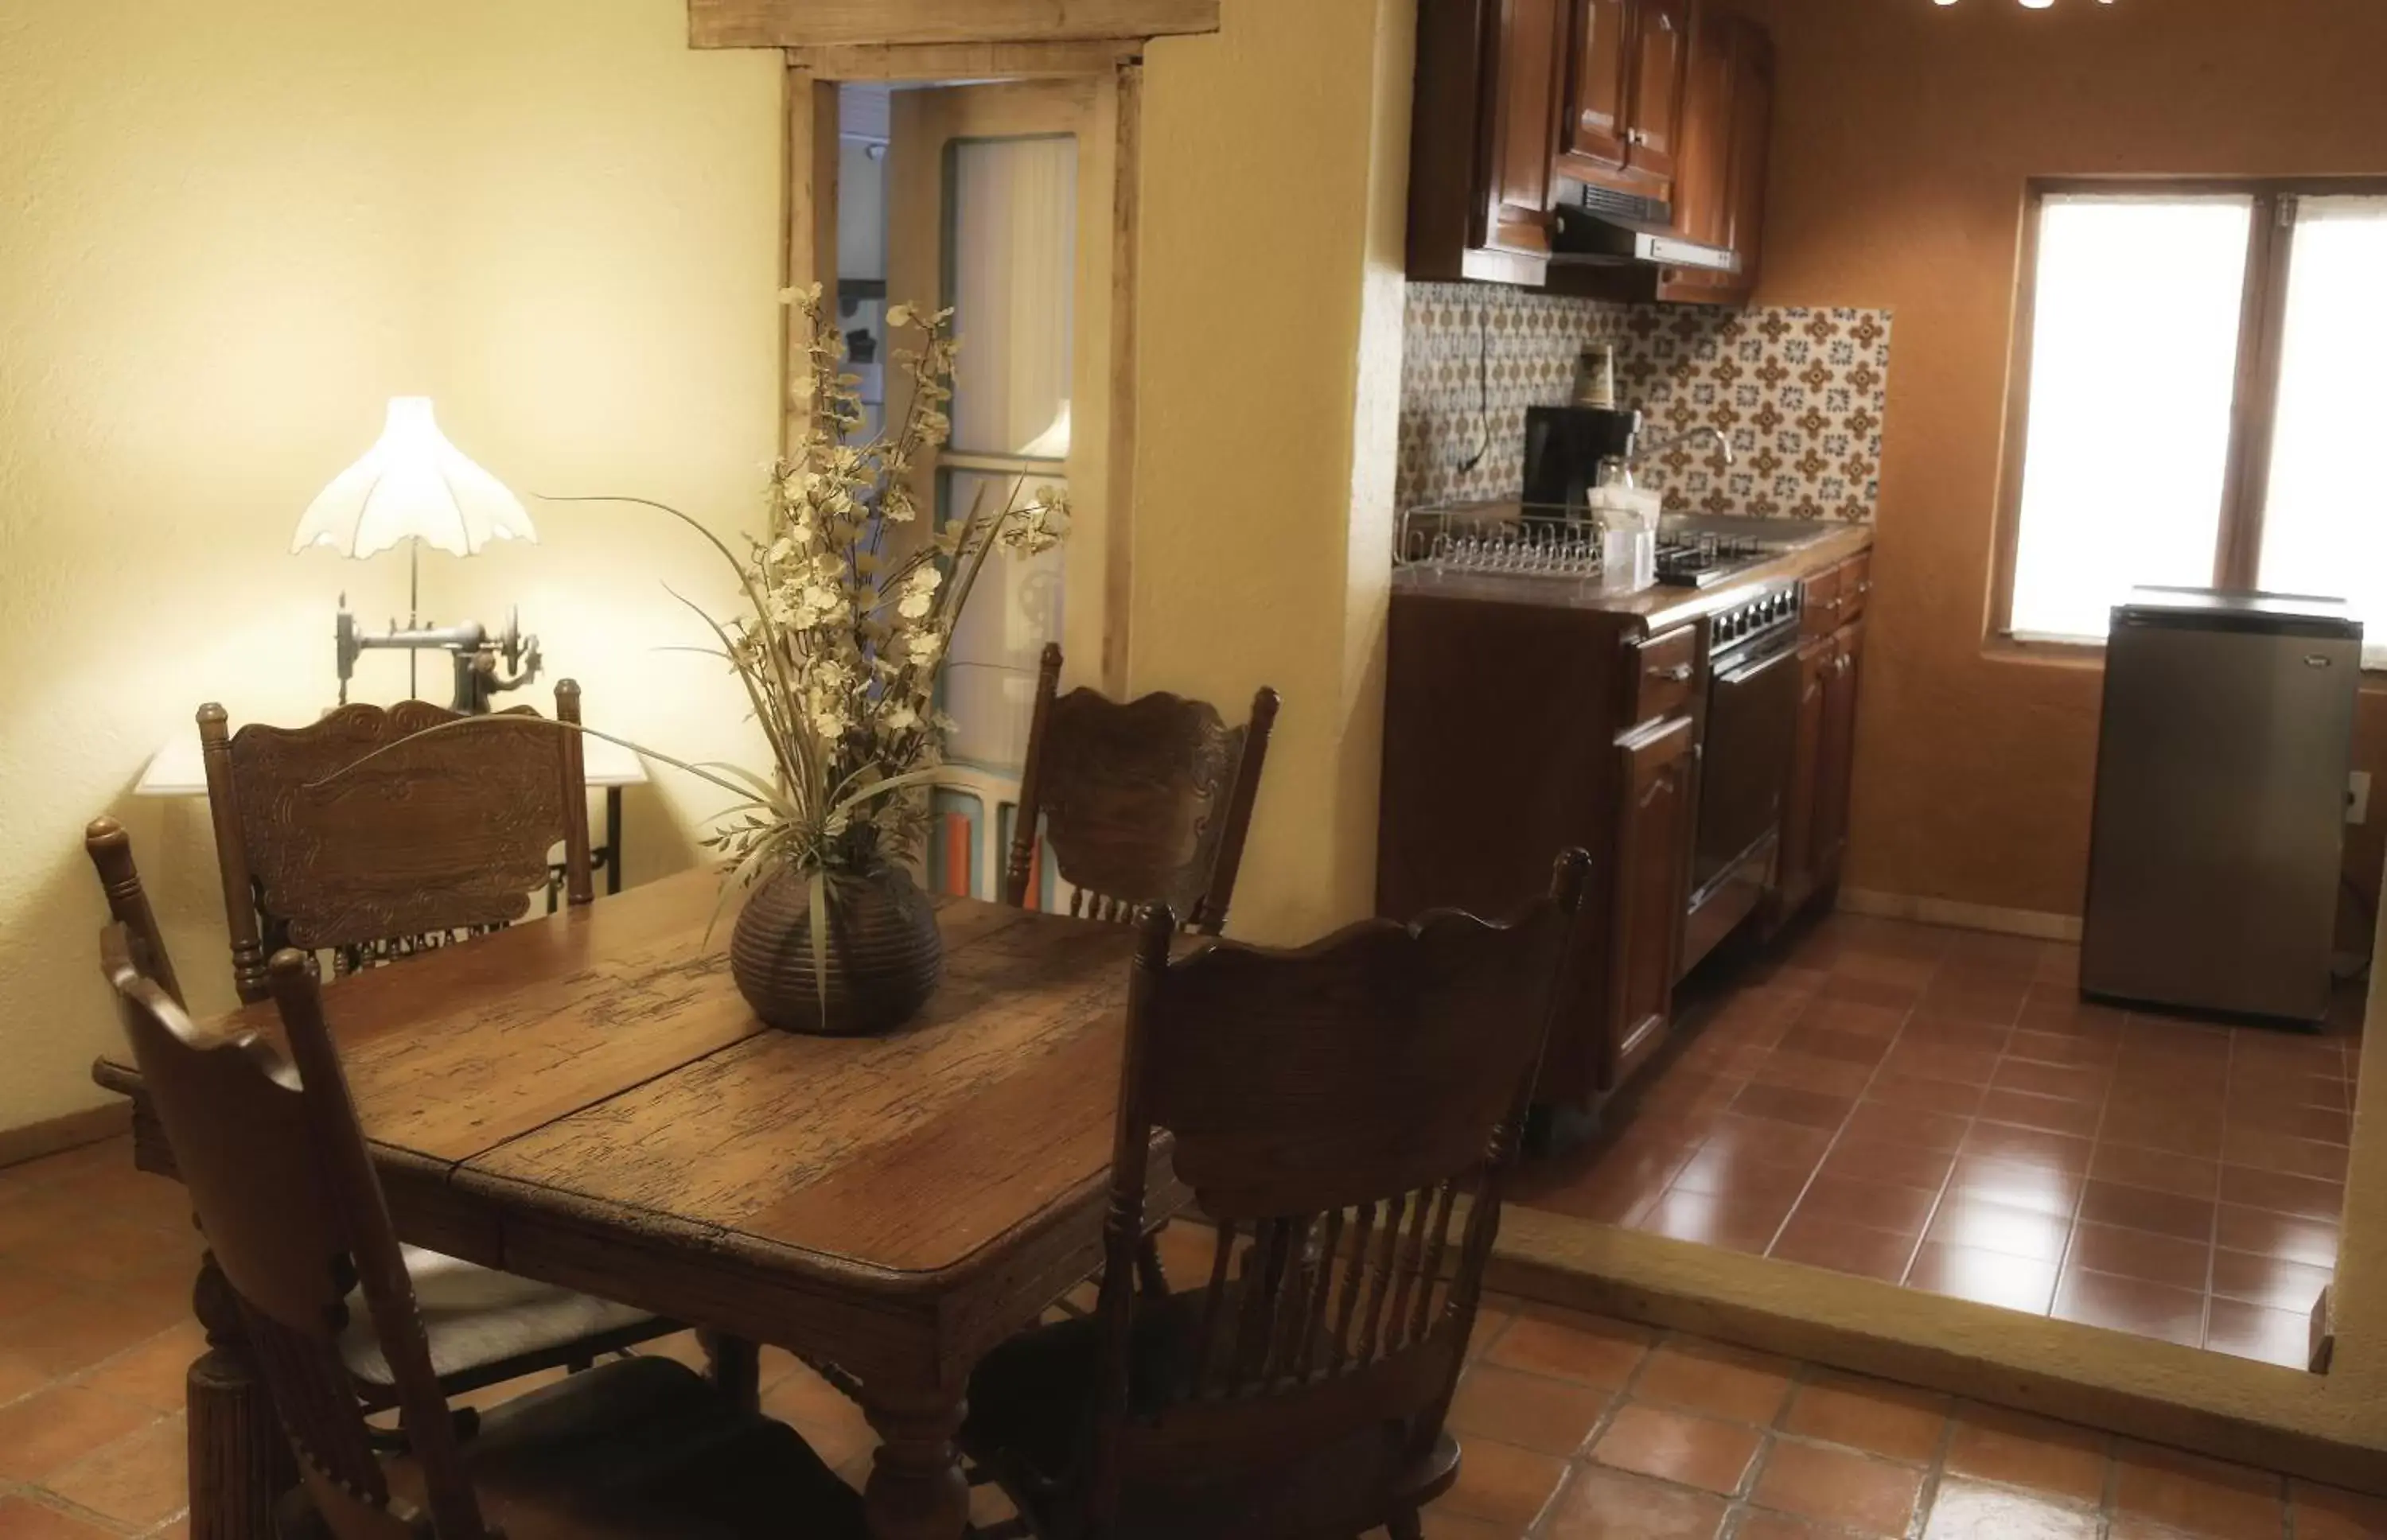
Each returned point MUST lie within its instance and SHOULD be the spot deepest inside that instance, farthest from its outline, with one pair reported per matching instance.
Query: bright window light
(2133, 367)
(2325, 519)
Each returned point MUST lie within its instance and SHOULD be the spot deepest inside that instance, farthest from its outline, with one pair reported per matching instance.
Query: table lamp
(414, 485)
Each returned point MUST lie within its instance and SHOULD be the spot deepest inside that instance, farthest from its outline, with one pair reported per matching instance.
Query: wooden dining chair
(1357, 1104)
(295, 1217)
(486, 1326)
(1146, 803)
(429, 841)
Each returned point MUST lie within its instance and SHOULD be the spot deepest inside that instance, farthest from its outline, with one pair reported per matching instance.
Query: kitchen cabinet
(1794, 878)
(1838, 760)
(1657, 779)
(1626, 66)
(1823, 754)
(1726, 144)
(1599, 86)
(1484, 122)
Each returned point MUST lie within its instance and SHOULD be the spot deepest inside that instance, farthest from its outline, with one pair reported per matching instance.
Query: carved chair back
(111, 850)
(1332, 1109)
(1148, 802)
(374, 860)
(294, 1216)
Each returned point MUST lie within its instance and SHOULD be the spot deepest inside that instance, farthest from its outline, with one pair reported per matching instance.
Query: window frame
(2271, 236)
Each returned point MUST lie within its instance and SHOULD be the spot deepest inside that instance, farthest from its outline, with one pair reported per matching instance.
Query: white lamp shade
(412, 485)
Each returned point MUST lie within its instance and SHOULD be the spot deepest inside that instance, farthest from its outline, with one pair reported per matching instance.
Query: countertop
(1658, 607)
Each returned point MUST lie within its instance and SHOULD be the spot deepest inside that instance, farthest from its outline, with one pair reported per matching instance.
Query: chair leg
(1151, 1278)
(1406, 1525)
(737, 1367)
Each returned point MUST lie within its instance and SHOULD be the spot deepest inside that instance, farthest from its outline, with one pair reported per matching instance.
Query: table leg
(737, 1367)
(917, 1489)
(612, 840)
(239, 1462)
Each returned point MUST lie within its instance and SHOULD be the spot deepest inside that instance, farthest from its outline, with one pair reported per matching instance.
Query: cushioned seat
(1032, 1417)
(644, 1449)
(477, 1317)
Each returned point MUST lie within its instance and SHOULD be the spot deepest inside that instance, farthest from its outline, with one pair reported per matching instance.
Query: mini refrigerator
(2219, 826)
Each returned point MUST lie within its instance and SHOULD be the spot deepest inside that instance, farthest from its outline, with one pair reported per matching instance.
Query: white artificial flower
(899, 315)
(916, 605)
(900, 718)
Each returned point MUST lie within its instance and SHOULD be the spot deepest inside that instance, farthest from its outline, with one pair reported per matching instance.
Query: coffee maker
(1563, 448)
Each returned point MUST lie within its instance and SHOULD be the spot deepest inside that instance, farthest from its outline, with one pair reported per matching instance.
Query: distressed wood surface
(839, 23)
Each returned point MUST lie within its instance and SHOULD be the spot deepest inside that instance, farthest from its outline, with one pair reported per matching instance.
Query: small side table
(177, 770)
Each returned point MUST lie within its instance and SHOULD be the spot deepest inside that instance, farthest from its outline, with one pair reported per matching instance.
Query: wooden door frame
(1102, 461)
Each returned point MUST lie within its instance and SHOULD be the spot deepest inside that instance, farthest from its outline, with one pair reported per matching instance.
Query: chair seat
(1032, 1417)
(644, 1449)
(476, 1317)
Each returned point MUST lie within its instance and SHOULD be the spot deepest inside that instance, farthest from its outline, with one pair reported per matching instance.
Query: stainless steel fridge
(2220, 814)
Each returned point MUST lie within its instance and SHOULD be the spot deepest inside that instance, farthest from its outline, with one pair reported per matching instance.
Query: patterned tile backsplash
(1802, 392)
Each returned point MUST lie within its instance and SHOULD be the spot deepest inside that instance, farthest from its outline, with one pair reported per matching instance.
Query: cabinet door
(1796, 877)
(1524, 56)
(1752, 142)
(1600, 74)
(1838, 760)
(1658, 801)
(1703, 169)
(1662, 55)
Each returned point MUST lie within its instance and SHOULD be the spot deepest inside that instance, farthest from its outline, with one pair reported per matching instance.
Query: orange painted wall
(1904, 135)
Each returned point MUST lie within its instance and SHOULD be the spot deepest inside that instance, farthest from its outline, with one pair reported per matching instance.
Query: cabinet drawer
(1666, 674)
(1821, 603)
(1856, 583)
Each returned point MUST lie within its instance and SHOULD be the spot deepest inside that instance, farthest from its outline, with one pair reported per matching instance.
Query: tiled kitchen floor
(1575, 1428)
(1938, 1107)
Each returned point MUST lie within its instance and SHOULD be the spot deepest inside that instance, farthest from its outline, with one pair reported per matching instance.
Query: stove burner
(1687, 560)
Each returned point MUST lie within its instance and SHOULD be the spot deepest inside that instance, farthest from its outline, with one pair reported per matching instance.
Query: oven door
(1752, 716)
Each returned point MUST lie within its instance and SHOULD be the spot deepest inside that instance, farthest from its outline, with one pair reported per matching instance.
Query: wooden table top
(600, 1065)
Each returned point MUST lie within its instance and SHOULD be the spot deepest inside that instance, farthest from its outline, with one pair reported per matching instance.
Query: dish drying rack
(1514, 540)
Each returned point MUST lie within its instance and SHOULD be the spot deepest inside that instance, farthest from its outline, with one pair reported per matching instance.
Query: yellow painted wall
(1275, 176)
(227, 233)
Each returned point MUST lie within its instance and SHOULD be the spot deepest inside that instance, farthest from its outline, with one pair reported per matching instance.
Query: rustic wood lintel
(834, 23)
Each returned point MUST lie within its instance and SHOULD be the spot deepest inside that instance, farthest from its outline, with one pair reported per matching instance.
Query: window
(2203, 367)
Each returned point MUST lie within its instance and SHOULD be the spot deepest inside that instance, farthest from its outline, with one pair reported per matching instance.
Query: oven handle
(1785, 651)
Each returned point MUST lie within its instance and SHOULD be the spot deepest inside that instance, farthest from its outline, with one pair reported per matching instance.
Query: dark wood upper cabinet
(1728, 131)
(1600, 83)
(1662, 55)
(1483, 129)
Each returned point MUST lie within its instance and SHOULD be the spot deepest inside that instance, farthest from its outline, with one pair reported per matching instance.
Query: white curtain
(1012, 246)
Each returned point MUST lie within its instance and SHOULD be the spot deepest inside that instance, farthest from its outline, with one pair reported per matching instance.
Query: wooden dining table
(585, 1100)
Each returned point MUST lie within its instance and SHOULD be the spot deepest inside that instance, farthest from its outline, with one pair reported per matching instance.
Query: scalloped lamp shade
(412, 485)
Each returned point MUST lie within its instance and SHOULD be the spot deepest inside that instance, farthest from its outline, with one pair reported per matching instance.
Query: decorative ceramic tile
(1803, 393)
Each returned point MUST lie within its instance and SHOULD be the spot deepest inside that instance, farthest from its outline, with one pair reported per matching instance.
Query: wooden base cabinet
(1823, 755)
(1657, 813)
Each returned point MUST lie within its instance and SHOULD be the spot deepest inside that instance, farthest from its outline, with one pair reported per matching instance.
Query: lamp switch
(2357, 797)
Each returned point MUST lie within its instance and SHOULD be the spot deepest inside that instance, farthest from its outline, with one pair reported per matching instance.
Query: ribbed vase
(884, 956)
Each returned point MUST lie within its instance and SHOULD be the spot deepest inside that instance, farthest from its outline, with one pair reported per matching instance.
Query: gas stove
(1688, 558)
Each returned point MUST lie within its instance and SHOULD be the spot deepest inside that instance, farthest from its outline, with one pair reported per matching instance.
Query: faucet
(1617, 470)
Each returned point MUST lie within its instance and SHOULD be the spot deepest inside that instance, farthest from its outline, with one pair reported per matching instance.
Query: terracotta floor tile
(1842, 1044)
(2065, 1082)
(2058, 1458)
(44, 1433)
(1788, 1105)
(23, 1519)
(1741, 1173)
(1768, 1142)
(1443, 1524)
(1888, 1125)
(2242, 1330)
(1888, 996)
(2280, 1116)
(2205, 1498)
(2180, 1131)
(1967, 1510)
(141, 1480)
(2131, 1305)
(1552, 1417)
(1735, 1221)
(1503, 1483)
(2281, 1193)
(1723, 1381)
(1607, 1505)
(1758, 1525)
(1926, 1030)
(1678, 1446)
(2053, 1113)
(1895, 1422)
(1873, 1205)
(1582, 1348)
(1839, 1487)
(1897, 1165)
(2268, 1280)
(1994, 952)
(2131, 1166)
(2014, 1184)
(1820, 1242)
(1899, 1088)
(1912, 1055)
(2054, 1005)
(1980, 1226)
(2004, 1141)
(1834, 1077)
(2042, 1044)
(2136, 1253)
(2311, 1241)
(1984, 1277)
(2327, 1513)
(1893, 967)
(2267, 1151)
(2138, 1208)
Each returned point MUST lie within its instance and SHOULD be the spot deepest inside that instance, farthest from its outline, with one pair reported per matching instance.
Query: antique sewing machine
(474, 654)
